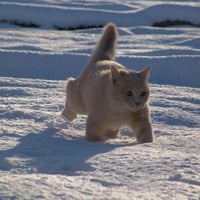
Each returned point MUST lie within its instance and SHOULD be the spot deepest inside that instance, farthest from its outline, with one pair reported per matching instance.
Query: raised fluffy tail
(105, 48)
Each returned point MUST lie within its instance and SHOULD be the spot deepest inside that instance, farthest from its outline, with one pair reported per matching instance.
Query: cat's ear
(115, 74)
(145, 73)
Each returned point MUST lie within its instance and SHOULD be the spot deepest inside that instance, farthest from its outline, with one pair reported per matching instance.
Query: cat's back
(100, 75)
(102, 69)
(96, 84)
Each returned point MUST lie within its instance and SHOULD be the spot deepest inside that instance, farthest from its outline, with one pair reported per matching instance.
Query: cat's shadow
(48, 153)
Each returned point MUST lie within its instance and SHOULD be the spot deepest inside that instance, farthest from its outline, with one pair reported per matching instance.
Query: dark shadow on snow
(49, 153)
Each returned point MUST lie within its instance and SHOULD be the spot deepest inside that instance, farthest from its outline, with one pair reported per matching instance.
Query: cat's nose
(137, 103)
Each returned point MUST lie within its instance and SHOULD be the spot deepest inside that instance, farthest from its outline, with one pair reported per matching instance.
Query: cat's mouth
(137, 107)
(137, 104)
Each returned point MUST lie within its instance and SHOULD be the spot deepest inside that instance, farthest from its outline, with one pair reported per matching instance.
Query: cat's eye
(143, 93)
(129, 93)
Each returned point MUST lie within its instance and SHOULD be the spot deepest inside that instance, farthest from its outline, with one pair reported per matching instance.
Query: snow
(44, 157)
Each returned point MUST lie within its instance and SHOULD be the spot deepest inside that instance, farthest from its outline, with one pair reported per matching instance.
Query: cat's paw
(68, 116)
(145, 138)
(95, 138)
(111, 133)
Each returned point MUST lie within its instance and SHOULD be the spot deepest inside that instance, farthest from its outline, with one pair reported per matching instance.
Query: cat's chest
(115, 122)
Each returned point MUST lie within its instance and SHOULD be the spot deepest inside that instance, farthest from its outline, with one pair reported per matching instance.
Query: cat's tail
(105, 48)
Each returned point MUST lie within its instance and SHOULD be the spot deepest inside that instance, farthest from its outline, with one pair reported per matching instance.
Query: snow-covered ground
(44, 157)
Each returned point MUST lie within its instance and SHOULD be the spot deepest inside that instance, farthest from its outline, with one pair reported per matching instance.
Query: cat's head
(130, 88)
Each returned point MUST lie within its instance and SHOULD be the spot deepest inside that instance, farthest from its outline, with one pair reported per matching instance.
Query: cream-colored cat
(111, 95)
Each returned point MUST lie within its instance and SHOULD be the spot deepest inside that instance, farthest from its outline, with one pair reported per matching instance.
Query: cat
(111, 95)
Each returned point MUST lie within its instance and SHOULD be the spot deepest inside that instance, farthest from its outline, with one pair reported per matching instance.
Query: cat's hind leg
(68, 112)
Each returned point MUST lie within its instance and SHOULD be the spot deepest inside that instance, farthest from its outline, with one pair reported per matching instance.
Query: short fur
(111, 95)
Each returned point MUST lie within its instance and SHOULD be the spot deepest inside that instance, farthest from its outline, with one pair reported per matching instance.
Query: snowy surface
(44, 157)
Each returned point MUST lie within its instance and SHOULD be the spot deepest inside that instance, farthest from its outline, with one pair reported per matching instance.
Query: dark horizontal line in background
(20, 23)
(163, 24)
(79, 27)
(57, 27)
(169, 23)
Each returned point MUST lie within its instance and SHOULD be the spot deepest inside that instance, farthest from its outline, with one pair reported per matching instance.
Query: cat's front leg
(111, 133)
(142, 126)
(144, 133)
(94, 131)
